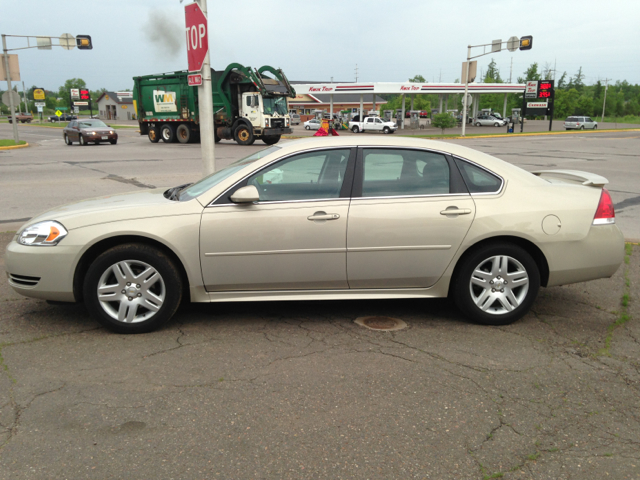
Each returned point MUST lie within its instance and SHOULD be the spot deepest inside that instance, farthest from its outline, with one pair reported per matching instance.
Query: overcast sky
(317, 40)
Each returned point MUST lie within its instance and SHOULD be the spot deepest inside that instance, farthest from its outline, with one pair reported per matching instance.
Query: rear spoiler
(576, 176)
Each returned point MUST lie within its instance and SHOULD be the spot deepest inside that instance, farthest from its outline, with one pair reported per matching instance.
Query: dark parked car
(65, 117)
(87, 131)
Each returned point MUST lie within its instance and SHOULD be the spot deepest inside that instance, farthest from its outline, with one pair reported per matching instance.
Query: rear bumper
(598, 255)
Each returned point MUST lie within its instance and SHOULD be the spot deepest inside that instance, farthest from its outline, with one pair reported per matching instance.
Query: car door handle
(451, 211)
(323, 216)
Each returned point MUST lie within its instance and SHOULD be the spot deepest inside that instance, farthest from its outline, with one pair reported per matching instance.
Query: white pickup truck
(373, 124)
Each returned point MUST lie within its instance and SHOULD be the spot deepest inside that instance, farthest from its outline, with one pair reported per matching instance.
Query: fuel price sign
(545, 88)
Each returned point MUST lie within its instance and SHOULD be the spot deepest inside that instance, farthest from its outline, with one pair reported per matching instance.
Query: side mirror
(248, 194)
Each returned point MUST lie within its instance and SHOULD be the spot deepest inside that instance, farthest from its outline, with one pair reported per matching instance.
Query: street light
(513, 44)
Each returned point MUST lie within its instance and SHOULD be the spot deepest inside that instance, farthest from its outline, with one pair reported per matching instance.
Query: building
(116, 106)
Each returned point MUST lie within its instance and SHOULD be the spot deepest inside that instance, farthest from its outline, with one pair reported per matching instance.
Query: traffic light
(83, 42)
(526, 42)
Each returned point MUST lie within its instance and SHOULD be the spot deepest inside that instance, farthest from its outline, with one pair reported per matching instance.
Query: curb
(532, 134)
(12, 147)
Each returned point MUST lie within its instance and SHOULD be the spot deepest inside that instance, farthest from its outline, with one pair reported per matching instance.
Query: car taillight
(605, 214)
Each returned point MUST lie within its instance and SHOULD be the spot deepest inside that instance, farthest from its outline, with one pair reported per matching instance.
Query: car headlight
(91, 133)
(48, 233)
(111, 132)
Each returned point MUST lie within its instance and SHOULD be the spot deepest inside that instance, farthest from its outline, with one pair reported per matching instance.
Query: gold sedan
(328, 218)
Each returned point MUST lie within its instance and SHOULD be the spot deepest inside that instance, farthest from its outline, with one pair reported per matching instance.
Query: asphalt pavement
(298, 390)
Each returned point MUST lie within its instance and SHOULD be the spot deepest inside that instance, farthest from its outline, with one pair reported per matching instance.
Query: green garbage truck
(248, 104)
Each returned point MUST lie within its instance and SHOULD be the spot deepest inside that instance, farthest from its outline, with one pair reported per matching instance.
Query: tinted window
(389, 172)
(477, 179)
(303, 177)
(572, 119)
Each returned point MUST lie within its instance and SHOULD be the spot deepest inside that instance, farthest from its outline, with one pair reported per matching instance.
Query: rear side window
(572, 119)
(477, 179)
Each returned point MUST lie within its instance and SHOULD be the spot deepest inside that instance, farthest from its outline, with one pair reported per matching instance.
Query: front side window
(391, 172)
(308, 176)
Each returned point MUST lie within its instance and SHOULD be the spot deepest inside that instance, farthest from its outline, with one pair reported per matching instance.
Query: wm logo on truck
(164, 101)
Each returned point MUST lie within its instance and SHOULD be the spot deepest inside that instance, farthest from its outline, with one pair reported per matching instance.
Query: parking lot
(273, 390)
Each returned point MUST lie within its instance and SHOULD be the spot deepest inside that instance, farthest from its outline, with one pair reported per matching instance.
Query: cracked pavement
(276, 390)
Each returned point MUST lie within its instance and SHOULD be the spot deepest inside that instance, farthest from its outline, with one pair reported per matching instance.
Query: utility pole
(356, 73)
(604, 102)
(24, 97)
(11, 105)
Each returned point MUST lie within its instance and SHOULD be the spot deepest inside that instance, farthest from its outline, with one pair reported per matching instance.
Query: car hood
(113, 208)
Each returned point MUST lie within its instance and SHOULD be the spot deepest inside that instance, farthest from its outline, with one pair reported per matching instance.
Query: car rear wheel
(167, 133)
(183, 133)
(154, 134)
(307, 127)
(82, 141)
(132, 288)
(496, 284)
(355, 129)
(67, 140)
(582, 127)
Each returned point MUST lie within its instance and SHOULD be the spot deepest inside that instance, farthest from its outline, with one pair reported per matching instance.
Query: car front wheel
(478, 124)
(82, 141)
(355, 129)
(496, 124)
(496, 284)
(132, 288)
(307, 127)
(386, 130)
(67, 140)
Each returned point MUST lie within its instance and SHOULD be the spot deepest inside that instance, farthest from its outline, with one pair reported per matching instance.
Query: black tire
(149, 307)
(113, 142)
(154, 134)
(355, 129)
(82, 141)
(307, 127)
(271, 139)
(386, 130)
(582, 127)
(168, 133)
(243, 135)
(183, 133)
(469, 285)
(29, 121)
(478, 124)
(67, 140)
(595, 127)
(567, 129)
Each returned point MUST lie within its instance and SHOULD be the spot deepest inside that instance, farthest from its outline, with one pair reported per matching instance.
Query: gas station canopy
(406, 88)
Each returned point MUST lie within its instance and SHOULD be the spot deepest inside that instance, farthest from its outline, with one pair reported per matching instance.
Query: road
(298, 390)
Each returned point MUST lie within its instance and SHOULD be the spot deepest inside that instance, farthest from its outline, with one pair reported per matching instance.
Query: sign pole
(553, 105)
(466, 92)
(205, 105)
(14, 121)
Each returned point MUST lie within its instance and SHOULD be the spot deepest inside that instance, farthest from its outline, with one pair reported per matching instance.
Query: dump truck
(248, 104)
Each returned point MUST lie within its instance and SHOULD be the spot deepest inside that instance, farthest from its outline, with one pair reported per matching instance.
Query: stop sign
(197, 36)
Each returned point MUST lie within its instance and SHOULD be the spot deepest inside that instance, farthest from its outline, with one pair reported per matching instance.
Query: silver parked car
(489, 120)
(295, 119)
(580, 123)
(313, 124)
(326, 219)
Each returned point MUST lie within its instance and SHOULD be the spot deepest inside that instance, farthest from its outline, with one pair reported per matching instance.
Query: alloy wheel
(499, 284)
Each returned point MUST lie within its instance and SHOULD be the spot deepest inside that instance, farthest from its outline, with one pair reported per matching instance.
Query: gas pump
(415, 119)
(515, 119)
(388, 115)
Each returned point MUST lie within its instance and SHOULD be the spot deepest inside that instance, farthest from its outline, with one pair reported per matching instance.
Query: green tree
(63, 91)
(418, 79)
(566, 102)
(443, 121)
(562, 83)
(530, 74)
(493, 74)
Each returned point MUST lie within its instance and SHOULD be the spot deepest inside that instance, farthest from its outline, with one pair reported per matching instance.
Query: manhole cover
(385, 324)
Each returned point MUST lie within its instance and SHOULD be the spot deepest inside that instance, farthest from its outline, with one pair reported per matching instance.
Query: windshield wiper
(174, 192)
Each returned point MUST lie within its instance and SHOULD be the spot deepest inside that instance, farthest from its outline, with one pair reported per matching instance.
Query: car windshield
(215, 178)
(275, 105)
(92, 124)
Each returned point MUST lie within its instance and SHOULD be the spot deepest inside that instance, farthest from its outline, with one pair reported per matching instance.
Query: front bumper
(100, 137)
(42, 272)
(277, 131)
